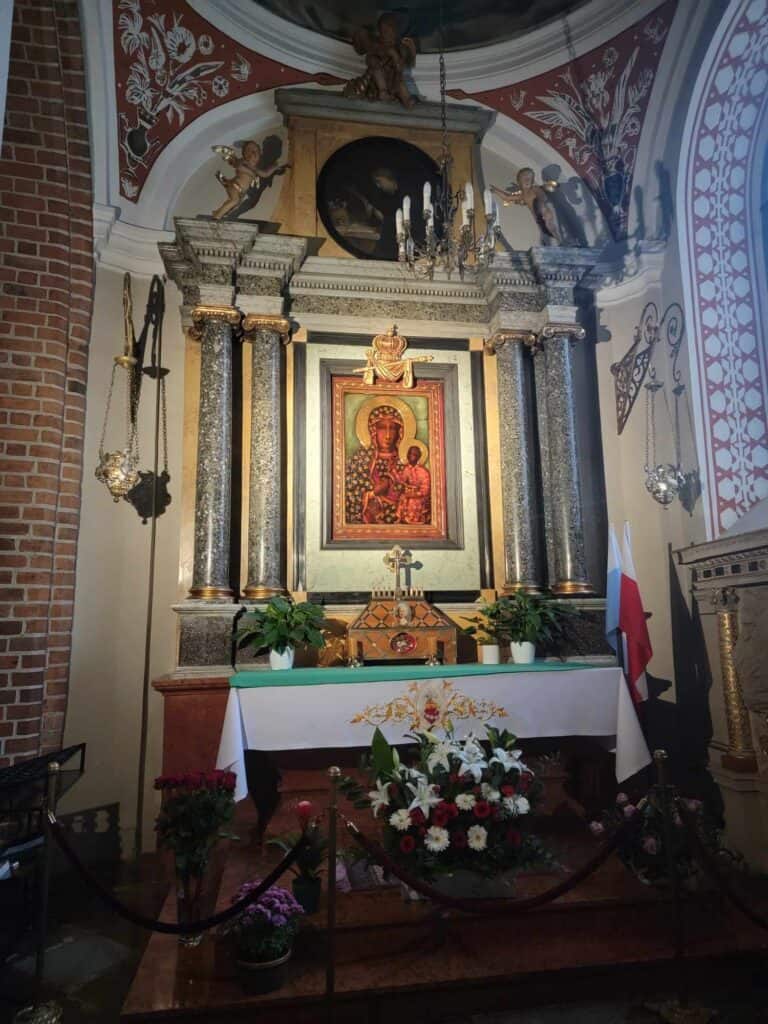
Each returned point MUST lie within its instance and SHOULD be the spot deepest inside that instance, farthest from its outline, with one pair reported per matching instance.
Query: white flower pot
(284, 660)
(523, 654)
(489, 654)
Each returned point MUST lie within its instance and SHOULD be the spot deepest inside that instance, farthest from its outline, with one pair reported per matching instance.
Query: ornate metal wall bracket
(631, 370)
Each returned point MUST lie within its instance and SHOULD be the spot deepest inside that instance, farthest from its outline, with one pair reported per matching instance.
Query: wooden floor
(393, 955)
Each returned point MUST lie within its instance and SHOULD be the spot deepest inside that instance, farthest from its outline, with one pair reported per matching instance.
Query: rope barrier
(161, 926)
(509, 905)
(709, 863)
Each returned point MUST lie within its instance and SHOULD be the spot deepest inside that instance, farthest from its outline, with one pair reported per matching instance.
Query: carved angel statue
(387, 56)
(527, 193)
(246, 185)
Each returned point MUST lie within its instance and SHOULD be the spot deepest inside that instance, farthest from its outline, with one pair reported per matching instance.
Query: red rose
(304, 812)
(459, 840)
(477, 790)
(453, 810)
(453, 777)
(229, 781)
(440, 817)
(407, 844)
(514, 838)
(508, 790)
(417, 816)
(481, 809)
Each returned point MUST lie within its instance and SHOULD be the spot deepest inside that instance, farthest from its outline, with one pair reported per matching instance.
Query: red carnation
(482, 809)
(453, 810)
(440, 817)
(459, 840)
(453, 777)
(508, 790)
(407, 844)
(417, 816)
(514, 838)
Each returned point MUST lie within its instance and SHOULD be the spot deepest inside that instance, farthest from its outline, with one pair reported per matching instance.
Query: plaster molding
(482, 68)
(120, 246)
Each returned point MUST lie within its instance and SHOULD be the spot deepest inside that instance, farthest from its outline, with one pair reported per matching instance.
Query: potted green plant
(528, 620)
(306, 883)
(281, 626)
(263, 936)
(488, 632)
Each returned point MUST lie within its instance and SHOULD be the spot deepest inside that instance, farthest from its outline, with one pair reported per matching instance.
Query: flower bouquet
(195, 808)
(642, 847)
(263, 934)
(458, 806)
(311, 858)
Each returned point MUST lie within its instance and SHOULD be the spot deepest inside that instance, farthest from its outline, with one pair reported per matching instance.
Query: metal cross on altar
(395, 560)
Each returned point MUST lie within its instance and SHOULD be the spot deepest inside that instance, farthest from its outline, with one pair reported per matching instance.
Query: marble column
(210, 574)
(265, 526)
(556, 410)
(523, 568)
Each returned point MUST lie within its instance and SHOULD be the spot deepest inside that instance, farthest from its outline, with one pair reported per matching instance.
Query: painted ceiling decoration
(466, 23)
(591, 109)
(171, 66)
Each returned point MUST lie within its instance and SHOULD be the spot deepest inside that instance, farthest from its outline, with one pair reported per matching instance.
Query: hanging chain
(106, 411)
(164, 420)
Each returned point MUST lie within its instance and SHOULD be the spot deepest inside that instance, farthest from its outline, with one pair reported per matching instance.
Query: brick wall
(46, 286)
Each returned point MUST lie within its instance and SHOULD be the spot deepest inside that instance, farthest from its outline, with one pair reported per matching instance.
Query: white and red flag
(637, 644)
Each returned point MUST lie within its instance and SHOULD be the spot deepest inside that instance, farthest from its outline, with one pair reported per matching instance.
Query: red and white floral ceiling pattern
(591, 110)
(727, 281)
(171, 66)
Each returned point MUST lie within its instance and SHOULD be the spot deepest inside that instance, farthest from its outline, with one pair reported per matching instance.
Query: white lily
(517, 804)
(508, 759)
(379, 797)
(424, 796)
(440, 754)
(472, 759)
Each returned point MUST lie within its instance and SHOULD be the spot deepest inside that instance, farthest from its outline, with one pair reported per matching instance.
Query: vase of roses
(195, 808)
(643, 841)
(262, 935)
(457, 807)
(306, 883)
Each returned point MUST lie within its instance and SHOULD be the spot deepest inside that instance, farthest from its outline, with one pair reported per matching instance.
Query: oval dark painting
(362, 186)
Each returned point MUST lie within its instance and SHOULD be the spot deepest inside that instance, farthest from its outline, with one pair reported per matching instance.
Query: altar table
(300, 709)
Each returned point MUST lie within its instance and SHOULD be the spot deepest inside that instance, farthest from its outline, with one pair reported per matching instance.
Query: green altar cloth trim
(387, 674)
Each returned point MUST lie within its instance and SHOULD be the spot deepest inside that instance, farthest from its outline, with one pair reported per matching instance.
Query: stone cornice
(727, 562)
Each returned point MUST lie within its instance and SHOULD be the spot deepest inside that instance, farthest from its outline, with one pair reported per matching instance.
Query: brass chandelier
(446, 247)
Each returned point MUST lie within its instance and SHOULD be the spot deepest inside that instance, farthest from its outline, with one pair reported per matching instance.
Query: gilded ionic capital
(501, 338)
(225, 314)
(255, 322)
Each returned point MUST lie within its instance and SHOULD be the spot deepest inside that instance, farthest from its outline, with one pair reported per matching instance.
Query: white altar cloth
(591, 701)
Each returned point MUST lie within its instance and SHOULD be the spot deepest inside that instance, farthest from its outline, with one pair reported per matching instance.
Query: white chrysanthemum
(490, 794)
(477, 838)
(437, 839)
(465, 801)
(517, 804)
(401, 820)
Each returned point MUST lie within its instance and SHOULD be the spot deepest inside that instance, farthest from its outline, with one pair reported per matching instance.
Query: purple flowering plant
(643, 847)
(264, 930)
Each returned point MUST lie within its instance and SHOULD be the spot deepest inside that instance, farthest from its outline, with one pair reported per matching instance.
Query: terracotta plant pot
(259, 977)
(489, 654)
(523, 654)
(307, 893)
(281, 661)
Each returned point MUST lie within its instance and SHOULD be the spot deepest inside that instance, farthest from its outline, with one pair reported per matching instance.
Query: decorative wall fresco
(726, 267)
(591, 110)
(171, 66)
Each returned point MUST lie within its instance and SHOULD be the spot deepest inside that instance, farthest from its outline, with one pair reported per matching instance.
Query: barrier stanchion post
(330, 972)
(676, 1011)
(39, 1012)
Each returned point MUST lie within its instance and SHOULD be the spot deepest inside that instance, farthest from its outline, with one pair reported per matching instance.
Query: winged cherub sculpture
(527, 193)
(387, 56)
(246, 185)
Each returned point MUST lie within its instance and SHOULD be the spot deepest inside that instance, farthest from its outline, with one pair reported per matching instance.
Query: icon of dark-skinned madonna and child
(380, 487)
